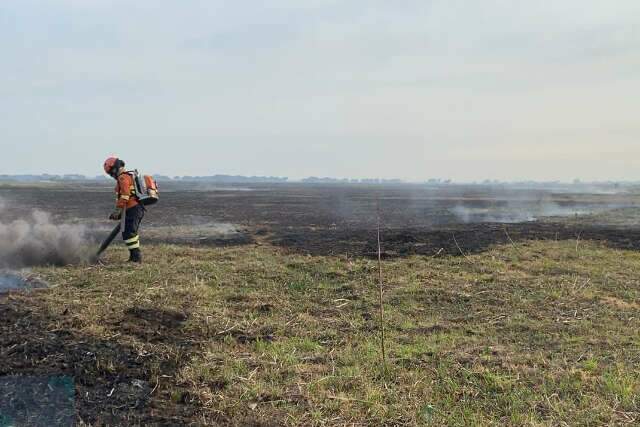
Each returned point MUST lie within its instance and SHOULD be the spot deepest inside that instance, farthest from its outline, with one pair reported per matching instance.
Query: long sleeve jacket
(125, 192)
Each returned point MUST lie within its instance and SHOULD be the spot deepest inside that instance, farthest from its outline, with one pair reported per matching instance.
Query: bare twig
(506, 232)
(578, 240)
(347, 399)
(380, 295)
(460, 249)
(227, 330)
(156, 387)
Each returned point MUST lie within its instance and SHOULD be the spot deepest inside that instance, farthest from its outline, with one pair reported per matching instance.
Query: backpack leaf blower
(147, 193)
(105, 244)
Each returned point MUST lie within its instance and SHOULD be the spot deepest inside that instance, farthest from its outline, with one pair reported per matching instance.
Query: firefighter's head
(112, 166)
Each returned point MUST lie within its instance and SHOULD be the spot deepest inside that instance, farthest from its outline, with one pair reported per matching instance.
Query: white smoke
(36, 240)
(467, 215)
(517, 212)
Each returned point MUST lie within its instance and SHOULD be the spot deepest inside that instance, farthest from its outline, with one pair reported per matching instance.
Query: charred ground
(236, 325)
(340, 219)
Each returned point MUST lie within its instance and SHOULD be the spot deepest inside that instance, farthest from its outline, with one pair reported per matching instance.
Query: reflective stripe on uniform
(134, 239)
(133, 243)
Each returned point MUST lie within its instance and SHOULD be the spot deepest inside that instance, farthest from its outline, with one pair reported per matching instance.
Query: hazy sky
(472, 89)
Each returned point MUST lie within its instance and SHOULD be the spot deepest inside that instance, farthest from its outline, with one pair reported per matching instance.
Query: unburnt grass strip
(540, 334)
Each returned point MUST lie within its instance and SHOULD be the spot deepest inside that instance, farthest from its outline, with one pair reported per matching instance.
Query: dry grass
(540, 334)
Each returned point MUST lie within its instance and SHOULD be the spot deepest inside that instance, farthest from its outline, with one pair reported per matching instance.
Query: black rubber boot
(135, 255)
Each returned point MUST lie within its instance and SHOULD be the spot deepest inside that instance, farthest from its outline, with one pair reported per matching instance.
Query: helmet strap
(116, 167)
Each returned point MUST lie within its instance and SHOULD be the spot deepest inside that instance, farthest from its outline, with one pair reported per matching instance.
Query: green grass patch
(545, 335)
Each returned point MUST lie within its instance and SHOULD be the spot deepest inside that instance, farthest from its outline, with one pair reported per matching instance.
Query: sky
(411, 89)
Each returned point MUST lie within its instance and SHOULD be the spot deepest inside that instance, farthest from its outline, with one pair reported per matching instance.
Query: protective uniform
(126, 197)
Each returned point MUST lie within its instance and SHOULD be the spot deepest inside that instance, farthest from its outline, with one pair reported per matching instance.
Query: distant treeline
(223, 179)
(327, 180)
(214, 178)
(47, 177)
(226, 179)
(240, 179)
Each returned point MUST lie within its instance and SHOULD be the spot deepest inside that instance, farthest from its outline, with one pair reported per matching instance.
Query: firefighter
(127, 204)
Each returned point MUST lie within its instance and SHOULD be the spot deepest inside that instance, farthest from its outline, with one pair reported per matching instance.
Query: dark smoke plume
(38, 241)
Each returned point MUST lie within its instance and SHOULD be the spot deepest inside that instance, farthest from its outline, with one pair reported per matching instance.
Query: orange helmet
(110, 164)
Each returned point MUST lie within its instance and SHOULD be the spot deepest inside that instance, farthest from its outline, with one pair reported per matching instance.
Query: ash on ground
(191, 232)
(37, 401)
(11, 281)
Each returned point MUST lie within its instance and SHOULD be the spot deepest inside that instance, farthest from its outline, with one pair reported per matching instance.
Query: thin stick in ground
(380, 295)
(511, 240)
(460, 249)
(578, 240)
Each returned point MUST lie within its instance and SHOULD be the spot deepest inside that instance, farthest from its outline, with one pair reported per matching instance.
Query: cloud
(248, 88)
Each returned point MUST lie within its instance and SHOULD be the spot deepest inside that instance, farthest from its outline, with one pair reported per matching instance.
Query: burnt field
(265, 310)
(342, 220)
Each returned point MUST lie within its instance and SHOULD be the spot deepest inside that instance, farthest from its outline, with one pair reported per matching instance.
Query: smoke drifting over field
(516, 213)
(36, 240)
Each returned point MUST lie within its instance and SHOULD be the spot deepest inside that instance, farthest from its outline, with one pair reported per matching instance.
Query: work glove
(116, 215)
